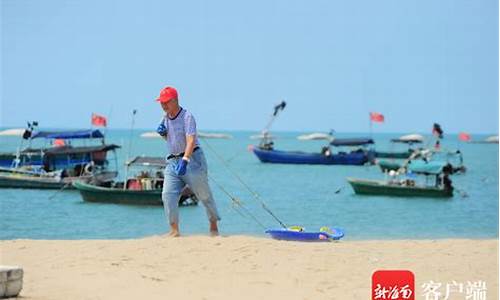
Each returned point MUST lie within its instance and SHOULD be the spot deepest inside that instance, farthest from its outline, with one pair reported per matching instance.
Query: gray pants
(196, 178)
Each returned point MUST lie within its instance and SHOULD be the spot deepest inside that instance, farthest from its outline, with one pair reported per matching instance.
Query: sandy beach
(239, 267)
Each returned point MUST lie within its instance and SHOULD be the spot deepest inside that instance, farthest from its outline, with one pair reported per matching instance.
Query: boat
(492, 139)
(358, 156)
(144, 187)
(408, 186)
(409, 139)
(62, 156)
(213, 135)
(12, 132)
(454, 158)
(59, 165)
(489, 140)
(315, 136)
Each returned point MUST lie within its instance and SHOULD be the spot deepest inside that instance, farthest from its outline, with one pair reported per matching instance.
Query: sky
(415, 61)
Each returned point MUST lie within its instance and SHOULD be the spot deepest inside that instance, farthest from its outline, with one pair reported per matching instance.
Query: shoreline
(240, 267)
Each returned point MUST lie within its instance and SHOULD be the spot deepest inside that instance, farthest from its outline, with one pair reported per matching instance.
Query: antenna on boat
(266, 138)
(134, 112)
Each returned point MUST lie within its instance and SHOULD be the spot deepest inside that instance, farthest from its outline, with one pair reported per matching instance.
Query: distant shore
(240, 267)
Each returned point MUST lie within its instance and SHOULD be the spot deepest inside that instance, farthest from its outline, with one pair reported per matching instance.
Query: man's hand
(182, 166)
(162, 129)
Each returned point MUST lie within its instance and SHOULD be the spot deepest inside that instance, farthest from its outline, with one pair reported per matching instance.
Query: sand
(240, 267)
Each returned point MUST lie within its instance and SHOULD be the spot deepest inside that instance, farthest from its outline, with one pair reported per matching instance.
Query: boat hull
(93, 193)
(376, 187)
(30, 182)
(290, 157)
(27, 181)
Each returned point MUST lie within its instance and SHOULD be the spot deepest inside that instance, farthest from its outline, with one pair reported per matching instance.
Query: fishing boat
(59, 165)
(408, 186)
(454, 158)
(360, 155)
(60, 155)
(143, 187)
(409, 140)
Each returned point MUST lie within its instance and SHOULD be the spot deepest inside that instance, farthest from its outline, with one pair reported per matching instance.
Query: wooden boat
(381, 187)
(359, 156)
(142, 188)
(57, 166)
(408, 187)
(55, 158)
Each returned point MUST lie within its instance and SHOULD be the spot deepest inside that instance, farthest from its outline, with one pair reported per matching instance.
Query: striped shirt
(177, 128)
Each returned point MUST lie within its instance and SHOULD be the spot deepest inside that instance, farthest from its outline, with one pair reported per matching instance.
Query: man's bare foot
(174, 230)
(214, 230)
(173, 233)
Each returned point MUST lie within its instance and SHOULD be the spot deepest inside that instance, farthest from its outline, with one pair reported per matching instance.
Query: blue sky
(415, 61)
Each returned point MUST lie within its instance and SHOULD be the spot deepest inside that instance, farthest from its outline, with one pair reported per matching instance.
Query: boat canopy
(409, 139)
(74, 134)
(423, 167)
(147, 161)
(351, 142)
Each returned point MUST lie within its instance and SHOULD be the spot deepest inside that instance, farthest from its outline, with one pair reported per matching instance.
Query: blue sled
(306, 236)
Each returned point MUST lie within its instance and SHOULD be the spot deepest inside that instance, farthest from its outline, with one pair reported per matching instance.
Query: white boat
(150, 134)
(315, 136)
(410, 138)
(206, 135)
(492, 139)
(12, 132)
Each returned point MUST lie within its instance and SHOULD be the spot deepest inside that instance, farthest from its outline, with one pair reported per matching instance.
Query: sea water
(307, 195)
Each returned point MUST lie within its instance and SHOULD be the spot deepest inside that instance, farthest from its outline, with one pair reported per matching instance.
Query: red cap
(167, 94)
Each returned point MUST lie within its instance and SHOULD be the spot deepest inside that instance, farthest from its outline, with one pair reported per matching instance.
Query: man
(186, 163)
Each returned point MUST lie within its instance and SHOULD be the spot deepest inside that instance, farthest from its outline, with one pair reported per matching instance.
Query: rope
(254, 194)
(236, 203)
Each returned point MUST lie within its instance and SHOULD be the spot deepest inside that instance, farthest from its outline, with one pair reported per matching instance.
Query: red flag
(98, 120)
(464, 136)
(376, 117)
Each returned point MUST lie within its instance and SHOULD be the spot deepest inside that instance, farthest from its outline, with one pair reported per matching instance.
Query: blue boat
(59, 164)
(53, 158)
(359, 156)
